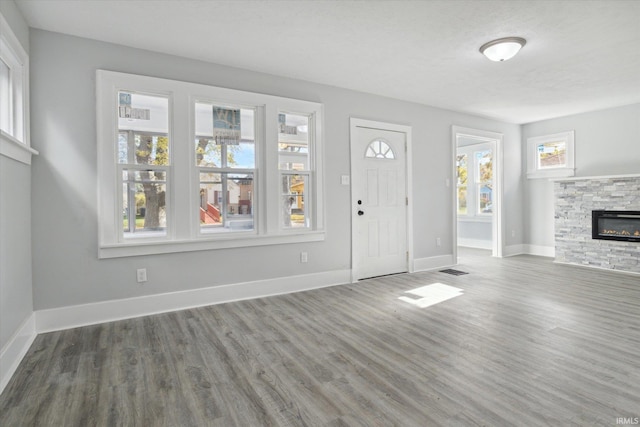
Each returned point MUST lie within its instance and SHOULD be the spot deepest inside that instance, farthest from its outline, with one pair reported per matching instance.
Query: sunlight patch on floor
(431, 294)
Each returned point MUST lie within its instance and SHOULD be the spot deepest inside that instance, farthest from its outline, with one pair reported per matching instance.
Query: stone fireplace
(596, 219)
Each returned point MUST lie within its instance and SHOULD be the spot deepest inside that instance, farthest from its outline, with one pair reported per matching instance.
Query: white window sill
(139, 248)
(551, 173)
(14, 149)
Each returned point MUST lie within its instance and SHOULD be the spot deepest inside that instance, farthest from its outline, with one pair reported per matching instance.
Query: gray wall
(66, 269)
(16, 300)
(607, 142)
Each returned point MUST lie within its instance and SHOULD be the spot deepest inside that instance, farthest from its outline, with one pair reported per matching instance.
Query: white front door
(379, 202)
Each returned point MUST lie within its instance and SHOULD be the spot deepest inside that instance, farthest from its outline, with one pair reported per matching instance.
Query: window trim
(566, 170)
(17, 144)
(473, 183)
(184, 235)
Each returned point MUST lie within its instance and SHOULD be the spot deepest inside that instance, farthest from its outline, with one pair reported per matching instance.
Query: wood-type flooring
(528, 343)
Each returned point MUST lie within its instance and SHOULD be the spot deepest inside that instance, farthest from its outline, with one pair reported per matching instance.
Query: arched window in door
(379, 149)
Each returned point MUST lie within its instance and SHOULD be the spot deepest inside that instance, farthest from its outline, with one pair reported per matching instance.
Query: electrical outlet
(513, 233)
(438, 241)
(304, 257)
(141, 274)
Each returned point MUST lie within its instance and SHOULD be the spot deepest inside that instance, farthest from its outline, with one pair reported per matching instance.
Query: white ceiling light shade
(502, 49)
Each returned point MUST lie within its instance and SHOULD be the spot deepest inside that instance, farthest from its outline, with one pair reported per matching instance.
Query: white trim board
(15, 350)
(433, 263)
(497, 141)
(475, 243)
(538, 250)
(583, 178)
(612, 270)
(56, 319)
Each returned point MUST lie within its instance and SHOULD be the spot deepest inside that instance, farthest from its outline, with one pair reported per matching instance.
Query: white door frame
(393, 127)
(497, 223)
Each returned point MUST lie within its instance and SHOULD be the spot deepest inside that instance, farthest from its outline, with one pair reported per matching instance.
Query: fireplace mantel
(582, 178)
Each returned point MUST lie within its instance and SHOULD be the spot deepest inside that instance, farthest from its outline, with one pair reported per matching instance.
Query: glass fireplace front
(616, 225)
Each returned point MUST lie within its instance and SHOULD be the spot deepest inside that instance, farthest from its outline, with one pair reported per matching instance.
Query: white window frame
(568, 169)
(473, 183)
(183, 232)
(15, 141)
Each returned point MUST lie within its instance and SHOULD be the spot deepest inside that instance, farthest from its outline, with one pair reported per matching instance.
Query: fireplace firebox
(616, 225)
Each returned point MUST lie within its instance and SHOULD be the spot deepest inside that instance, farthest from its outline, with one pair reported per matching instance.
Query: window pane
(462, 200)
(224, 136)
(552, 154)
(461, 172)
(461, 162)
(293, 201)
(226, 202)
(144, 202)
(484, 187)
(485, 198)
(485, 166)
(379, 149)
(293, 141)
(143, 129)
(5, 98)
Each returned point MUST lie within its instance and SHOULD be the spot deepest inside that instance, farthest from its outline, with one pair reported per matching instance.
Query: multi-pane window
(475, 180)
(225, 156)
(13, 90)
(144, 162)
(186, 167)
(551, 156)
(293, 162)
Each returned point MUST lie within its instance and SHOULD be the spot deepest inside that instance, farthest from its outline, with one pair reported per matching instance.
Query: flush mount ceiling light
(502, 49)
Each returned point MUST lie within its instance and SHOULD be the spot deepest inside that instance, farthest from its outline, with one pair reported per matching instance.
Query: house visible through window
(143, 163)
(195, 168)
(225, 157)
(475, 180)
(551, 156)
(293, 160)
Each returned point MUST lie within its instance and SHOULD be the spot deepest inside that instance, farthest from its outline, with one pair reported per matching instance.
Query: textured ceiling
(580, 55)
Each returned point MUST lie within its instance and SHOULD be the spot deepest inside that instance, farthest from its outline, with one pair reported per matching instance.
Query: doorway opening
(477, 192)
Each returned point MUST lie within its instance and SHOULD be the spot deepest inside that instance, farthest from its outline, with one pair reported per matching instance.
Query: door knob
(360, 213)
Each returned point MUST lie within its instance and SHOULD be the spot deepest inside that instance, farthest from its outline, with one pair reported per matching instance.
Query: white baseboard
(513, 250)
(432, 263)
(56, 319)
(548, 251)
(15, 350)
(612, 270)
(475, 243)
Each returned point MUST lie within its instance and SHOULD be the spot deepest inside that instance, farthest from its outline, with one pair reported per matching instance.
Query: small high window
(551, 156)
